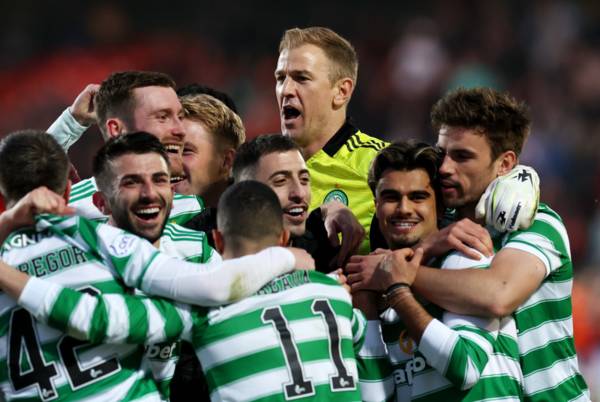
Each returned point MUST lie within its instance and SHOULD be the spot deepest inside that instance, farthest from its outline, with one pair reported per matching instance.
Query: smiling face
(142, 197)
(159, 112)
(286, 173)
(405, 207)
(202, 160)
(467, 168)
(305, 94)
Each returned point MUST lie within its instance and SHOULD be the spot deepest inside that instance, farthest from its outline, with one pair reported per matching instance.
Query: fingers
(353, 267)
(417, 257)
(467, 232)
(351, 239)
(380, 251)
(332, 233)
(481, 210)
(354, 278)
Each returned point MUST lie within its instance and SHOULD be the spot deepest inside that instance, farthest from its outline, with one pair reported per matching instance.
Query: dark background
(544, 52)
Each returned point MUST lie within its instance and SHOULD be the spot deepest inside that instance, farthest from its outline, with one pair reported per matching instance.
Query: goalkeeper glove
(510, 202)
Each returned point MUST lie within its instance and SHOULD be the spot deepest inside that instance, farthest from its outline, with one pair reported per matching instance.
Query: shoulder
(185, 207)
(175, 231)
(82, 189)
(547, 225)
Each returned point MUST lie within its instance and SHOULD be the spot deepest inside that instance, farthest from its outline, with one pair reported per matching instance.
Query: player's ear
(227, 164)
(507, 161)
(219, 241)
(114, 127)
(284, 238)
(344, 88)
(67, 192)
(101, 202)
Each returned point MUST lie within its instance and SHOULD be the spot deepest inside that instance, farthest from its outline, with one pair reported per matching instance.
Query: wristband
(393, 288)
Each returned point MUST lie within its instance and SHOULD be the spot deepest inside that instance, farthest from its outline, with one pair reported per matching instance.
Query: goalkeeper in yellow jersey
(315, 76)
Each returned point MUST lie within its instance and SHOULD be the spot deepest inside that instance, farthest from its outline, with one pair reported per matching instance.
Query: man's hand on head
(339, 219)
(38, 201)
(22, 214)
(463, 236)
(83, 109)
(510, 202)
(304, 261)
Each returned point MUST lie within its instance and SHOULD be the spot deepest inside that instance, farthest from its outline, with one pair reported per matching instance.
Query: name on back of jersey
(53, 261)
(285, 282)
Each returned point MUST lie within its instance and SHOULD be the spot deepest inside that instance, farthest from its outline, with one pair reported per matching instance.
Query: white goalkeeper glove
(511, 201)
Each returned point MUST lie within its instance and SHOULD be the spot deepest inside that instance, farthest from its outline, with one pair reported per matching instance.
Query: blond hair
(337, 49)
(226, 126)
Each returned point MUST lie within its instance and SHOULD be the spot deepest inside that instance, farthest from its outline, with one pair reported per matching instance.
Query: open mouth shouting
(290, 115)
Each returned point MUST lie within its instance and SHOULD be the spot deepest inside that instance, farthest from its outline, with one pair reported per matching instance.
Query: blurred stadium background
(546, 52)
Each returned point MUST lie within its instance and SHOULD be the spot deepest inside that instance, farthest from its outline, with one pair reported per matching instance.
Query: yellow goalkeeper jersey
(339, 172)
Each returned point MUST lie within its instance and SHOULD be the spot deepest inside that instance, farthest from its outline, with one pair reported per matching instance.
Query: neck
(325, 134)
(237, 249)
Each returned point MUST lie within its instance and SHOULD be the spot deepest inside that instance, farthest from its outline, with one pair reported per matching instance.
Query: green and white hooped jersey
(184, 208)
(298, 338)
(41, 363)
(188, 245)
(459, 357)
(544, 321)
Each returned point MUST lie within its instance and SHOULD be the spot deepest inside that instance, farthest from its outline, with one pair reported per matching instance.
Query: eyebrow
(389, 191)
(288, 172)
(138, 176)
(293, 72)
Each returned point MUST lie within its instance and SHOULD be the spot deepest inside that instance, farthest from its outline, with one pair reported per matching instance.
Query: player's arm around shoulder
(106, 318)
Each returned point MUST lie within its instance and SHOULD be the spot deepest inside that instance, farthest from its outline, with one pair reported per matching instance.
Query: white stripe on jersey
(271, 381)
(250, 342)
(537, 338)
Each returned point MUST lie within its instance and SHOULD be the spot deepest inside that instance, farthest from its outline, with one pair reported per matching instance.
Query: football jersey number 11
(299, 385)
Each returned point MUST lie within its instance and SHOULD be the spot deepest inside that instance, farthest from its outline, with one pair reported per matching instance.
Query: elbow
(500, 305)
(498, 310)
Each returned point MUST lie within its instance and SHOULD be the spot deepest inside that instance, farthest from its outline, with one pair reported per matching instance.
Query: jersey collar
(340, 138)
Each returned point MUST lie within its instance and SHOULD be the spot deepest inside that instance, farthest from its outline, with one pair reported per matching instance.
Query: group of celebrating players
(321, 264)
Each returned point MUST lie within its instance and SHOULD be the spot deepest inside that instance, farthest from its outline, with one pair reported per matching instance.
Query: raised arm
(76, 119)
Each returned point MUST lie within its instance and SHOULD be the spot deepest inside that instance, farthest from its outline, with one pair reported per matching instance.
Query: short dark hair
(199, 89)
(248, 154)
(115, 98)
(503, 120)
(249, 210)
(133, 143)
(405, 156)
(30, 159)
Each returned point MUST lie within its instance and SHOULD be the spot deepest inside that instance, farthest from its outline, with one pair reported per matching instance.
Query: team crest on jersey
(123, 245)
(336, 195)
